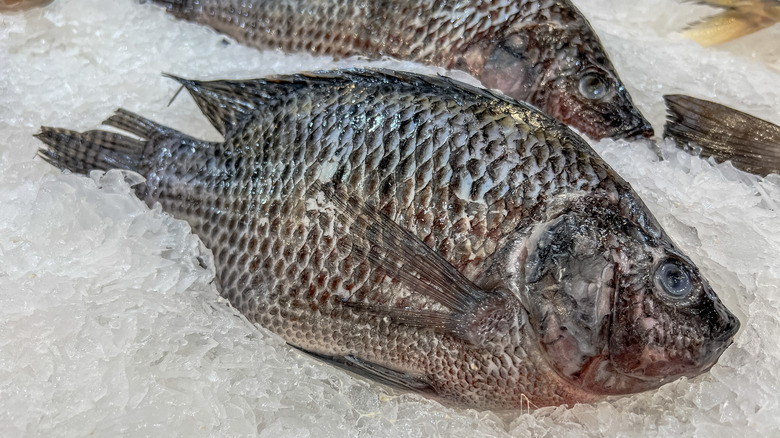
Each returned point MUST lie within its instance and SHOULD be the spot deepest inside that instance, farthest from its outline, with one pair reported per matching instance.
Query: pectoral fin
(404, 256)
(473, 314)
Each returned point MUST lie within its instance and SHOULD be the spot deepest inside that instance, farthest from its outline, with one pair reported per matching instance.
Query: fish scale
(430, 235)
(387, 187)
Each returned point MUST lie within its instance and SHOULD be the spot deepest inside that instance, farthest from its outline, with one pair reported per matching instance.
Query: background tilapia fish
(424, 233)
(738, 18)
(544, 53)
(750, 143)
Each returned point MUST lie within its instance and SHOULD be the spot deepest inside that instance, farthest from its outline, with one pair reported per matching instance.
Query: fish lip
(638, 132)
(729, 333)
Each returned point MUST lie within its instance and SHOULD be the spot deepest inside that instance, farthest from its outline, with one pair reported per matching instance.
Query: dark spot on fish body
(325, 295)
(322, 279)
(461, 226)
(267, 264)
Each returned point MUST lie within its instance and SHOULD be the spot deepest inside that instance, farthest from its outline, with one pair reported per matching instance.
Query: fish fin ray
(225, 103)
(716, 3)
(726, 26)
(137, 125)
(442, 322)
(81, 152)
(373, 371)
(405, 257)
(737, 19)
(752, 144)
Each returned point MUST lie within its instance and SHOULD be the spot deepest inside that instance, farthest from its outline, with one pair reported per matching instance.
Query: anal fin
(376, 372)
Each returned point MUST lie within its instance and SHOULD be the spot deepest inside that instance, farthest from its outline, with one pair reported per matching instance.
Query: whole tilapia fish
(427, 234)
(541, 52)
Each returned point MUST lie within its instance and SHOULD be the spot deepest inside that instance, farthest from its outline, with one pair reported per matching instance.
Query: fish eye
(674, 279)
(593, 86)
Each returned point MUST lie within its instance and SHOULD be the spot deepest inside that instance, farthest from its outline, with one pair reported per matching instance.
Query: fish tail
(82, 152)
(135, 124)
(750, 143)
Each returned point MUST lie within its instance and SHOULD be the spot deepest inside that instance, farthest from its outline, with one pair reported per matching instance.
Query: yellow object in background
(739, 18)
(19, 5)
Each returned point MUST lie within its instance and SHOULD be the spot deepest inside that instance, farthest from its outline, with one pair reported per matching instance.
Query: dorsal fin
(224, 103)
(227, 102)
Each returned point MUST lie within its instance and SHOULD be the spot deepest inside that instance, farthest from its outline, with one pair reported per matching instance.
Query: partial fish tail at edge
(750, 143)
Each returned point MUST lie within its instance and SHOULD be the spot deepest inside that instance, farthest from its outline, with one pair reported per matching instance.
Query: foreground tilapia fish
(721, 132)
(544, 53)
(426, 234)
(738, 18)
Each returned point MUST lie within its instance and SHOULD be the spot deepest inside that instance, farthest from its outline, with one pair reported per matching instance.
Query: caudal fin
(750, 143)
(82, 152)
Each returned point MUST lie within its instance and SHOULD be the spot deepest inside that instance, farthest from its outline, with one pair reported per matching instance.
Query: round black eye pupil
(674, 279)
(593, 86)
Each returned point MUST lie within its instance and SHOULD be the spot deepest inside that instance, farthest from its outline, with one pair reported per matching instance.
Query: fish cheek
(508, 69)
(573, 290)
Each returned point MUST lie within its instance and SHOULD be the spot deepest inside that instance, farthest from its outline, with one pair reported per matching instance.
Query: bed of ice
(110, 326)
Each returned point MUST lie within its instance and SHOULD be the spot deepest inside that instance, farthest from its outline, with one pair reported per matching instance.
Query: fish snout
(723, 324)
(728, 326)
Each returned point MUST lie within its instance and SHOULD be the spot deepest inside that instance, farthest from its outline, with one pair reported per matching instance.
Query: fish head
(667, 323)
(617, 310)
(566, 74)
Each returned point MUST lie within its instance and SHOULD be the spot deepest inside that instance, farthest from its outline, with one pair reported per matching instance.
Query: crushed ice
(109, 324)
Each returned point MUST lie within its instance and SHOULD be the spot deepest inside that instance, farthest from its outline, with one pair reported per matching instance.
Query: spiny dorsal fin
(227, 102)
(724, 133)
(224, 103)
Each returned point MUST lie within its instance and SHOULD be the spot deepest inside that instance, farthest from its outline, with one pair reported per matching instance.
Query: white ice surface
(109, 326)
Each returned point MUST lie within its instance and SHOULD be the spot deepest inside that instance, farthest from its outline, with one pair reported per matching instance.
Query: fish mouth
(638, 129)
(638, 132)
(730, 329)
